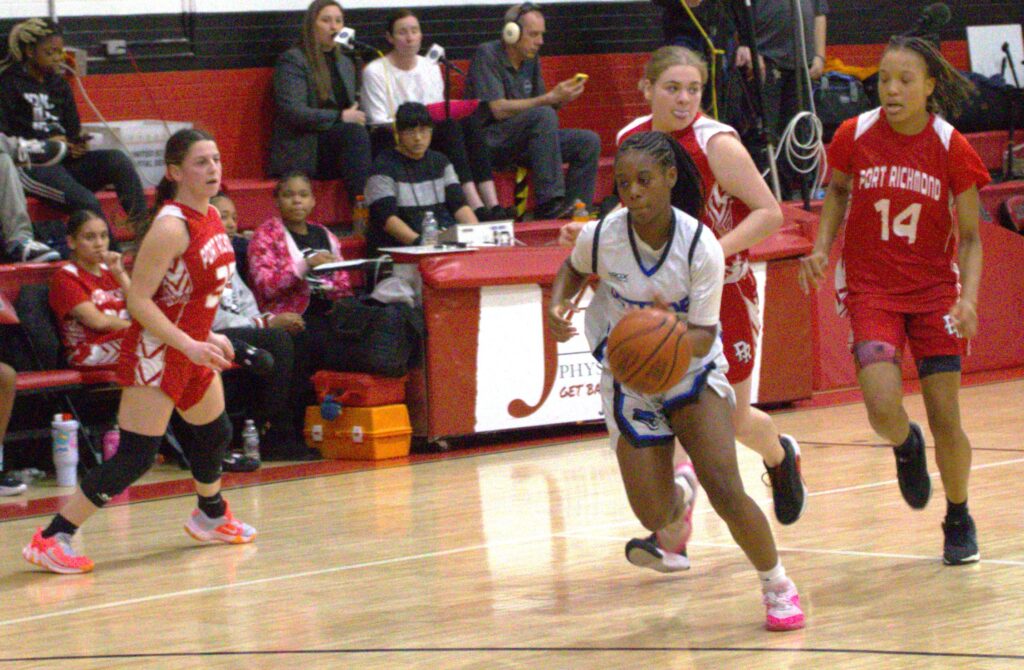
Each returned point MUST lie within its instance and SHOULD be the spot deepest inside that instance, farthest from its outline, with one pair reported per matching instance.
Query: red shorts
(741, 323)
(149, 362)
(928, 333)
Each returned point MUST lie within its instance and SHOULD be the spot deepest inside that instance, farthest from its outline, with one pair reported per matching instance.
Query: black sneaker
(556, 208)
(646, 553)
(9, 486)
(499, 213)
(961, 544)
(33, 153)
(912, 470)
(32, 251)
(788, 491)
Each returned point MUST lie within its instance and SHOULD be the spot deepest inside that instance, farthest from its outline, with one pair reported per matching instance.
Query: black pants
(72, 184)
(271, 398)
(781, 104)
(343, 151)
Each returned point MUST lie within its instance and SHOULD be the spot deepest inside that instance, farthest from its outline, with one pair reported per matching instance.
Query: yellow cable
(715, 53)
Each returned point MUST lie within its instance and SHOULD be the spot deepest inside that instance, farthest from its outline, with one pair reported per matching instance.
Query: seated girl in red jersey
(87, 295)
(895, 171)
(170, 359)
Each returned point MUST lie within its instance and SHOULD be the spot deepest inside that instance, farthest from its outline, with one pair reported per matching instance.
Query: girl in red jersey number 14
(900, 168)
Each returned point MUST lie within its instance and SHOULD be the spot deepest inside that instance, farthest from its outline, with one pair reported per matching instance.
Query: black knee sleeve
(935, 364)
(209, 445)
(135, 454)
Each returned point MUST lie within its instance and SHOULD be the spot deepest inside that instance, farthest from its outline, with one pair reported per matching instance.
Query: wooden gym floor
(515, 560)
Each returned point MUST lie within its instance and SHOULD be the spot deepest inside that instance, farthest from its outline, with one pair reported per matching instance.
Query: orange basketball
(647, 351)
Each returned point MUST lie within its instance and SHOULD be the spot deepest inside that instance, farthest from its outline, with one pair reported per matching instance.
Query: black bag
(838, 97)
(377, 338)
(40, 347)
(989, 108)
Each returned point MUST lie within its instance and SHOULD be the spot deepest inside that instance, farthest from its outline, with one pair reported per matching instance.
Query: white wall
(22, 8)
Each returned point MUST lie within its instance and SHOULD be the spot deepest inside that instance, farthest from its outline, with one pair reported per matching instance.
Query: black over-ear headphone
(512, 31)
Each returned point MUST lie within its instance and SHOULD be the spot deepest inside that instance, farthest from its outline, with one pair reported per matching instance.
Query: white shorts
(643, 419)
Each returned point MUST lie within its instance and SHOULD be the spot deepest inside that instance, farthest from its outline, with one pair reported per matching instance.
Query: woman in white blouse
(402, 75)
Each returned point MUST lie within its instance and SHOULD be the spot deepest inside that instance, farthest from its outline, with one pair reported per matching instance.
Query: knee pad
(933, 364)
(874, 351)
(209, 446)
(135, 455)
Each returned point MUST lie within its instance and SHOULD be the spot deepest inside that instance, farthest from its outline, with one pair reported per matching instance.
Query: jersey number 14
(905, 223)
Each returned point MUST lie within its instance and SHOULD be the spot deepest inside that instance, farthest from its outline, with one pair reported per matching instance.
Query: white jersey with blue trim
(686, 274)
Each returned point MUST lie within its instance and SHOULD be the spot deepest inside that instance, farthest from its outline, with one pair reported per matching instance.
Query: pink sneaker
(783, 608)
(222, 529)
(56, 554)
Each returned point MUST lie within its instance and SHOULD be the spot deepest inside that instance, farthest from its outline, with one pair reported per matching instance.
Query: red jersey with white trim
(722, 212)
(72, 285)
(188, 296)
(900, 246)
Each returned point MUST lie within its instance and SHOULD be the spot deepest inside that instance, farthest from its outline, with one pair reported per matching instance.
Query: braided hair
(688, 191)
(29, 32)
(952, 89)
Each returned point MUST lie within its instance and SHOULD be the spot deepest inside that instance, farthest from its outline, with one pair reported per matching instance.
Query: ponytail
(952, 89)
(174, 153)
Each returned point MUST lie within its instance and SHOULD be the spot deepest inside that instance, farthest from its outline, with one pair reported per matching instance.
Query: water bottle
(360, 216)
(251, 440)
(580, 213)
(64, 430)
(428, 235)
(111, 441)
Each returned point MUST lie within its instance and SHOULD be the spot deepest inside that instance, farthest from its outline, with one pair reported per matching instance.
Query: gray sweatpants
(15, 226)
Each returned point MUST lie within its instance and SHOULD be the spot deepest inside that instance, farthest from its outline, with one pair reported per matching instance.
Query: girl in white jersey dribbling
(741, 211)
(650, 253)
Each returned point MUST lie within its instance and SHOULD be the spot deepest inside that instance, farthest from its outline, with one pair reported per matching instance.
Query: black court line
(869, 445)
(516, 650)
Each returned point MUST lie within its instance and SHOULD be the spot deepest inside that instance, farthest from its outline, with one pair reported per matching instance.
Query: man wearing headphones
(523, 125)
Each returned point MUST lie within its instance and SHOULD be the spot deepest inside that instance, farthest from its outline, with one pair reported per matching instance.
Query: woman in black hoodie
(36, 102)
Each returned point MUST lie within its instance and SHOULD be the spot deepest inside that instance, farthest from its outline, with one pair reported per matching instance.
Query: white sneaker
(33, 251)
(33, 153)
(9, 486)
(646, 553)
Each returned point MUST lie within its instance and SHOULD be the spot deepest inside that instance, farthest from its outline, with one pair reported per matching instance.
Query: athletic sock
(956, 511)
(213, 506)
(59, 525)
(771, 578)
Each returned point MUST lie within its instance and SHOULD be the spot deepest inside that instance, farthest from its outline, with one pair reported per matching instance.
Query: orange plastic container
(360, 433)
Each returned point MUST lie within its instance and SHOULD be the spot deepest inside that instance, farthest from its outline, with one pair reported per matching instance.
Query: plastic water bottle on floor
(65, 449)
(251, 440)
(428, 236)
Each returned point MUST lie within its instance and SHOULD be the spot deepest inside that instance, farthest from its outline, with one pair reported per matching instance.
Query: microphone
(257, 361)
(932, 18)
(347, 40)
(435, 54)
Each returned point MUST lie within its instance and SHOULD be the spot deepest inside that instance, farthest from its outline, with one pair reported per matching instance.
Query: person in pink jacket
(289, 272)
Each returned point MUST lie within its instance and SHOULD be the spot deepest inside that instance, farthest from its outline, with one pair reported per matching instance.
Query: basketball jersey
(70, 287)
(686, 275)
(188, 295)
(722, 212)
(900, 241)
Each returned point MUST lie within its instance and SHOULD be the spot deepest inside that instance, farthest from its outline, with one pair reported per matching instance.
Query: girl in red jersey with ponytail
(170, 360)
(910, 269)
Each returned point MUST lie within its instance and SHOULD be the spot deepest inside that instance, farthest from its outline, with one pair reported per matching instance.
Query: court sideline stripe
(588, 650)
(387, 561)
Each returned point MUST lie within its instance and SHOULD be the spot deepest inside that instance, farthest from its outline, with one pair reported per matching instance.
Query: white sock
(772, 577)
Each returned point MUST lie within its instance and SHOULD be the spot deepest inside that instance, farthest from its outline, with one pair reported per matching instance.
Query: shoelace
(779, 601)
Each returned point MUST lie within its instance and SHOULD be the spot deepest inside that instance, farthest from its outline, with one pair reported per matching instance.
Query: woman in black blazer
(318, 127)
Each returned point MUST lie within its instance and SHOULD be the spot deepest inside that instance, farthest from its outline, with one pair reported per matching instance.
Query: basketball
(647, 351)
